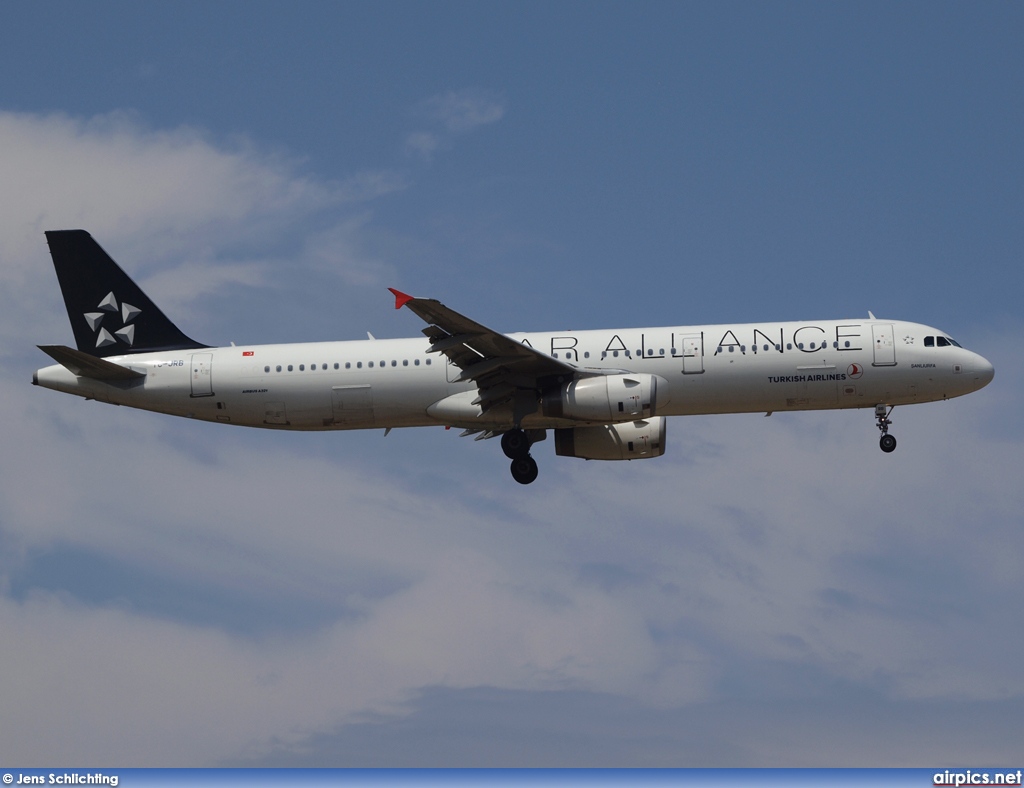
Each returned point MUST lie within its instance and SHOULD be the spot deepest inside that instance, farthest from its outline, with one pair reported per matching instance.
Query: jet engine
(635, 440)
(606, 398)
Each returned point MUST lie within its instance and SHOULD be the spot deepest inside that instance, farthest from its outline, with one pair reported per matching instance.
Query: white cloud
(756, 541)
(451, 115)
(460, 111)
(278, 524)
(170, 205)
(422, 143)
(122, 181)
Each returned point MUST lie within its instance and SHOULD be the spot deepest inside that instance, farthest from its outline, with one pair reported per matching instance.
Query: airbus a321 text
(605, 394)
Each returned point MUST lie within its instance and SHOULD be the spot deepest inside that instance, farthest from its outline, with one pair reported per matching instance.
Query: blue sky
(771, 592)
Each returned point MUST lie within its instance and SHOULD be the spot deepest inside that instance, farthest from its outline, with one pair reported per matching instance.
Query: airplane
(604, 394)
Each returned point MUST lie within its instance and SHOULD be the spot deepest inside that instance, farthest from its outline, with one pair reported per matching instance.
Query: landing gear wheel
(516, 445)
(887, 442)
(524, 469)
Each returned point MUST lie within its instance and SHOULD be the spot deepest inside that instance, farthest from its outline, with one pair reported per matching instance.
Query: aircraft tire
(887, 443)
(524, 469)
(515, 444)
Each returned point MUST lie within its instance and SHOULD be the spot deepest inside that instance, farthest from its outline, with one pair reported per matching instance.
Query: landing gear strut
(887, 442)
(516, 445)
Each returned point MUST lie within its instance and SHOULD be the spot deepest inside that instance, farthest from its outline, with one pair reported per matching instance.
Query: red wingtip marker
(401, 299)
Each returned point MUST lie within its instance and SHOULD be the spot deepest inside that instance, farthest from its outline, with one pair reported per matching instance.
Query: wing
(504, 370)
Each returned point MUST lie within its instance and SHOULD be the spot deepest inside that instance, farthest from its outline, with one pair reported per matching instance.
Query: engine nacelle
(636, 440)
(606, 398)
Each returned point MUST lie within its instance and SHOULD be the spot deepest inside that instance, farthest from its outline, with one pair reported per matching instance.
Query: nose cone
(982, 371)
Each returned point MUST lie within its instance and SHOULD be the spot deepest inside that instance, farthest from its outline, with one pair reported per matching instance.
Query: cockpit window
(953, 342)
(929, 341)
(943, 342)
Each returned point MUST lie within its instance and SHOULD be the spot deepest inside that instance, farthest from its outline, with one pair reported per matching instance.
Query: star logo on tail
(108, 307)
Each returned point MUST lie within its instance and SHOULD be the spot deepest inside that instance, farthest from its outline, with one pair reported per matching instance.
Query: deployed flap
(87, 366)
(498, 364)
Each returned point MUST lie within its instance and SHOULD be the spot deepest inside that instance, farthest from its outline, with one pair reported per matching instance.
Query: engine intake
(606, 398)
(636, 440)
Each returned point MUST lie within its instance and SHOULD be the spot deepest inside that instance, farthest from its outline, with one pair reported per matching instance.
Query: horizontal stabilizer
(87, 366)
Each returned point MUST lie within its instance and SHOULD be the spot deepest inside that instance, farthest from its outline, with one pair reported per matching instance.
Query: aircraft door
(693, 354)
(885, 345)
(202, 377)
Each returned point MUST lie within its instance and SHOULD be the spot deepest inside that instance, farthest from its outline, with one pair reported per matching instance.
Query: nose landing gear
(887, 442)
(516, 445)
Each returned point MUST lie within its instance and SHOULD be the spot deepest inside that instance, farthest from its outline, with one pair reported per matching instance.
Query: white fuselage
(385, 383)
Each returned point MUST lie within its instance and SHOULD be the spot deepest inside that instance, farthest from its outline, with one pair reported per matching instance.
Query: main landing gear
(887, 442)
(516, 445)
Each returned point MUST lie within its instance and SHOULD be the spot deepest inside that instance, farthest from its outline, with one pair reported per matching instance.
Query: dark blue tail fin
(109, 314)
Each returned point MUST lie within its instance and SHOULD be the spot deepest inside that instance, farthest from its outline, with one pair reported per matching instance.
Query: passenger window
(348, 365)
(394, 363)
(290, 367)
(428, 362)
(302, 367)
(416, 362)
(405, 362)
(359, 365)
(278, 367)
(370, 365)
(266, 369)
(587, 354)
(929, 341)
